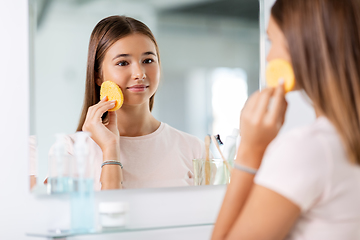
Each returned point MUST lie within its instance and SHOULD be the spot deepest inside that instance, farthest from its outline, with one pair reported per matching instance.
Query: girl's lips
(137, 88)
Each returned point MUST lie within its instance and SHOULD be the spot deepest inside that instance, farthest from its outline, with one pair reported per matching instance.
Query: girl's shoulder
(318, 136)
(300, 164)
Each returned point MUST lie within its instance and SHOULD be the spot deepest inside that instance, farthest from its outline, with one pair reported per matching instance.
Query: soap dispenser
(82, 197)
(59, 178)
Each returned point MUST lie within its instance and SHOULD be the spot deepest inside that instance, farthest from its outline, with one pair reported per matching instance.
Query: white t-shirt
(309, 167)
(160, 159)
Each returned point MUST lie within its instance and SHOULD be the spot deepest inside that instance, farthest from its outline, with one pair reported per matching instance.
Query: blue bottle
(82, 196)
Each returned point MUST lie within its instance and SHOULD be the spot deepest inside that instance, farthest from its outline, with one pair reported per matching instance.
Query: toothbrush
(207, 160)
(222, 156)
(218, 139)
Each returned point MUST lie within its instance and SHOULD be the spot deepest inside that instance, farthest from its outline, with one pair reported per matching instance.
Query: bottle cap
(60, 143)
(80, 146)
(235, 132)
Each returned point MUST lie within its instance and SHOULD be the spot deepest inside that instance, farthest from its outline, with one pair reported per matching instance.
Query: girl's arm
(108, 139)
(266, 215)
(250, 211)
(111, 175)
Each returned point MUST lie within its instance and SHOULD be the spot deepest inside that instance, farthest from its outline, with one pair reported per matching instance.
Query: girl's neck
(134, 121)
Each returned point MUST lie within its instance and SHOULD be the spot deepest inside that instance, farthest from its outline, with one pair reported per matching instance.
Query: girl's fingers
(250, 104)
(263, 103)
(279, 105)
(94, 107)
(95, 112)
(102, 108)
(104, 99)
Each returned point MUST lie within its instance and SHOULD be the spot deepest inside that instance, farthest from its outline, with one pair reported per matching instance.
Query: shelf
(68, 233)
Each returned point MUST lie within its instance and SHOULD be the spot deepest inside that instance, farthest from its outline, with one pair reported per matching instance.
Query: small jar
(113, 214)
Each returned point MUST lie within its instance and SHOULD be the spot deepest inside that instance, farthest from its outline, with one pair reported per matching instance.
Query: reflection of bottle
(59, 180)
(230, 146)
(82, 197)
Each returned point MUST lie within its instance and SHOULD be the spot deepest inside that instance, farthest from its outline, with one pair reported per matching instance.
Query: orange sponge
(113, 92)
(280, 69)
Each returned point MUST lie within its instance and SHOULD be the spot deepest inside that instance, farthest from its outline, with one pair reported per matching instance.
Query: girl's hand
(106, 136)
(260, 123)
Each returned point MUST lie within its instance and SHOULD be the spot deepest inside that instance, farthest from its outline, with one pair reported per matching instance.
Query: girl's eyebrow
(121, 55)
(128, 55)
(149, 53)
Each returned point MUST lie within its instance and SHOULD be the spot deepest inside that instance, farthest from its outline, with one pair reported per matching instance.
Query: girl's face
(132, 63)
(279, 46)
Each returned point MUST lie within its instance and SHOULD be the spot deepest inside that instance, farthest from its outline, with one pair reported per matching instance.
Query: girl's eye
(123, 63)
(149, 60)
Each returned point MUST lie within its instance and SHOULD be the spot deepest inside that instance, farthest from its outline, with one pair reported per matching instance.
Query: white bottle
(229, 150)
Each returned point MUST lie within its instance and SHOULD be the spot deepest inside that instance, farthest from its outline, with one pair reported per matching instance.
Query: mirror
(209, 64)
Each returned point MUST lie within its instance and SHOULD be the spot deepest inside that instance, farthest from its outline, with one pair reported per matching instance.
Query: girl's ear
(98, 79)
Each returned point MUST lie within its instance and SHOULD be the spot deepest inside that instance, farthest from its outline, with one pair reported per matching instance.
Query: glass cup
(212, 172)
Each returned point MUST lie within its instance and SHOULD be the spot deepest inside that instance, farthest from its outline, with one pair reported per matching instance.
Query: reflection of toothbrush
(222, 156)
(217, 137)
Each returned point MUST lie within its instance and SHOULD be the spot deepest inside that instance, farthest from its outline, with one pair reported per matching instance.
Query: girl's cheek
(270, 55)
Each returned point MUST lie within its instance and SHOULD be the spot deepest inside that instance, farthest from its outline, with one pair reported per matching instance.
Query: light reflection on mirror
(209, 53)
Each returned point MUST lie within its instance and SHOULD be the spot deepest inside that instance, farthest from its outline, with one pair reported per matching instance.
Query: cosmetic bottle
(82, 196)
(59, 178)
(229, 151)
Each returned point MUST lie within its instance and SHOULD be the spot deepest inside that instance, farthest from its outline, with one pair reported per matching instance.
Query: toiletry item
(82, 197)
(220, 173)
(113, 214)
(217, 137)
(221, 154)
(280, 70)
(113, 92)
(59, 178)
(229, 149)
(207, 160)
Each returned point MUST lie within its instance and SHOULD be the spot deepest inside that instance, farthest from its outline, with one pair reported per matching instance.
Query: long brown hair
(324, 45)
(105, 34)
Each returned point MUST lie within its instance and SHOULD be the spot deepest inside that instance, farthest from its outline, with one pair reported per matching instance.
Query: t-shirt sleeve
(294, 166)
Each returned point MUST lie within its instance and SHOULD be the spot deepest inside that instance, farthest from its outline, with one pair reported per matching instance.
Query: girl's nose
(138, 72)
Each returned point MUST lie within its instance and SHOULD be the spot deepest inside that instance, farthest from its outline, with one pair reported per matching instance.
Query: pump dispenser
(82, 197)
(59, 179)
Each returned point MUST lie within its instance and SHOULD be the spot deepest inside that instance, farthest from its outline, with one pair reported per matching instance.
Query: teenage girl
(131, 148)
(308, 181)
